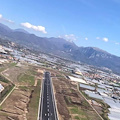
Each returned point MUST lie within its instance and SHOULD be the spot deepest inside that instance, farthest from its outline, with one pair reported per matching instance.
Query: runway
(47, 105)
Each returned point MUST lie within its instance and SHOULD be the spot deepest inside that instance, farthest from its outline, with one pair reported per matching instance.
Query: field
(34, 103)
(102, 109)
(23, 102)
(70, 104)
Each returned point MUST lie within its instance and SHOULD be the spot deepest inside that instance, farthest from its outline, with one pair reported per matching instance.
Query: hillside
(63, 48)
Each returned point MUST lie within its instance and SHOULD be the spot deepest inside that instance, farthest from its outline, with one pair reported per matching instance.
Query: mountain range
(63, 48)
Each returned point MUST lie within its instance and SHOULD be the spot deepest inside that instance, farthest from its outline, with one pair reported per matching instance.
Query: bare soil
(68, 96)
(13, 73)
(16, 105)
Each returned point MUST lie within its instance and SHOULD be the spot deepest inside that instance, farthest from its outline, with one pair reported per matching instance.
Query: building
(1, 88)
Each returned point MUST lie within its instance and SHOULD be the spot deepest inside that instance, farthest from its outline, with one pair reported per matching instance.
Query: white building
(1, 88)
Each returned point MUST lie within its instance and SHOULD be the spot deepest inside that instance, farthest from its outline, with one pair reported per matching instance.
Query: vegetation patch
(26, 79)
(104, 106)
(79, 114)
(6, 91)
(3, 79)
(67, 100)
(77, 118)
(34, 103)
(31, 72)
(7, 65)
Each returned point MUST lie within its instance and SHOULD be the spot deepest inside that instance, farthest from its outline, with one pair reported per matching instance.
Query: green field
(34, 103)
(80, 114)
(7, 65)
(26, 79)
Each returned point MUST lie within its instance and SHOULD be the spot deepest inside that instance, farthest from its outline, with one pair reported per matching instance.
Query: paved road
(47, 106)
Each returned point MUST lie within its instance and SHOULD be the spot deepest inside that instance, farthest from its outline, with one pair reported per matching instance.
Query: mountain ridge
(63, 48)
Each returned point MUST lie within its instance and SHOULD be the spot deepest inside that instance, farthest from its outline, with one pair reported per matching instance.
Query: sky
(94, 23)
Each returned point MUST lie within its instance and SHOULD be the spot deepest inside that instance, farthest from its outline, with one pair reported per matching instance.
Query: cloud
(0, 16)
(10, 21)
(117, 43)
(70, 37)
(105, 39)
(6, 20)
(98, 38)
(86, 38)
(36, 28)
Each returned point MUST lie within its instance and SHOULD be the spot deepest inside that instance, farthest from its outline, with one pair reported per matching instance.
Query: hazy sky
(86, 22)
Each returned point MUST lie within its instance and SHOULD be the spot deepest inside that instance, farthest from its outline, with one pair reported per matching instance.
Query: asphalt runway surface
(47, 105)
